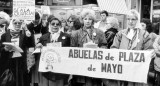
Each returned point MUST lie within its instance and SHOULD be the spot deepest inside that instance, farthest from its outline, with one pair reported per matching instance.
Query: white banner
(24, 9)
(128, 65)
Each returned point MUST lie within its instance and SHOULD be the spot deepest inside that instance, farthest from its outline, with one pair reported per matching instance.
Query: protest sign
(45, 10)
(118, 64)
(37, 37)
(24, 9)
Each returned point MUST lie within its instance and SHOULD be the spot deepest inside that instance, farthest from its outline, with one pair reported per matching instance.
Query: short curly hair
(88, 12)
(114, 22)
(104, 12)
(148, 24)
(76, 21)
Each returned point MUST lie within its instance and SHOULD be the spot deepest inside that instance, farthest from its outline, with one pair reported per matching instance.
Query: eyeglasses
(2, 26)
(17, 23)
(55, 24)
(132, 19)
(70, 21)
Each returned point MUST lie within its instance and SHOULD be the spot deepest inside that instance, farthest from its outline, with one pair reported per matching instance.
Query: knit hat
(50, 18)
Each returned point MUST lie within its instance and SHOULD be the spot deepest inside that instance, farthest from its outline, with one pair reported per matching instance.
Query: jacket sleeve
(102, 40)
(74, 39)
(117, 40)
(147, 43)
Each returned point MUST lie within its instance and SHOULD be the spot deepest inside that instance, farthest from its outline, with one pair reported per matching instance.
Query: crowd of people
(77, 31)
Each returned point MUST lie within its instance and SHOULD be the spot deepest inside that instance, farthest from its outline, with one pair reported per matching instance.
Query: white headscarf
(5, 16)
(137, 15)
(138, 26)
(11, 27)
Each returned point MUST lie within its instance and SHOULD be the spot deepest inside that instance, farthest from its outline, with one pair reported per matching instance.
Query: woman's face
(63, 24)
(70, 22)
(103, 17)
(132, 21)
(143, 26)
(17, 24)
(54, 25)
(87, 21)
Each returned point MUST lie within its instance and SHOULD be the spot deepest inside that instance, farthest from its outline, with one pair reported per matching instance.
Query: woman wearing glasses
(87, 35)
(18, 63)
(73, 23)
(132, 38)
(55, 35)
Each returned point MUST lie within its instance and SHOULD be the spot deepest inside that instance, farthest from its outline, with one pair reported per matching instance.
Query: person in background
(147, 25)
(18, 64)
(54, 35)
(64, 27)
(156, 46)
(87, 35)
(132, 38)
(102, 24)
(4, 23)
(73, 24)
(36, 26)
(112, 28)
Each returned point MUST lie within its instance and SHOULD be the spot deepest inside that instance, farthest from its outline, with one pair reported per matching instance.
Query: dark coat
(110, 34)
(65, 43)
(19, 64)
(46, 39)
(38, 29)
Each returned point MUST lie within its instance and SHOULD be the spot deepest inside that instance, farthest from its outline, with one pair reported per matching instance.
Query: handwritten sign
(45, 10)
(127, 65)
(24, 9)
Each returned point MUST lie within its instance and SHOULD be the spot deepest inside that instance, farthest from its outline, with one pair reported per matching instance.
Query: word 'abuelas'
(85, 54)
(131, 57)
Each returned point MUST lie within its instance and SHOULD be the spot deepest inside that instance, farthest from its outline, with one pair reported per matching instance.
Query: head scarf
(137, 15)
(14, 33)
(5, 17)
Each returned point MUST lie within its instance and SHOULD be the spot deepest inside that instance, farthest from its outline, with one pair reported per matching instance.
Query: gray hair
(88, 12)
(135, 13)
(113, 21)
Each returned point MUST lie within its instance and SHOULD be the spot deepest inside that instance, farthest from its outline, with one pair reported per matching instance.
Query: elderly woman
(132, 38)
(17, 63)
(87, 34)
(4, 22)
(112, 28)
(54, 36)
